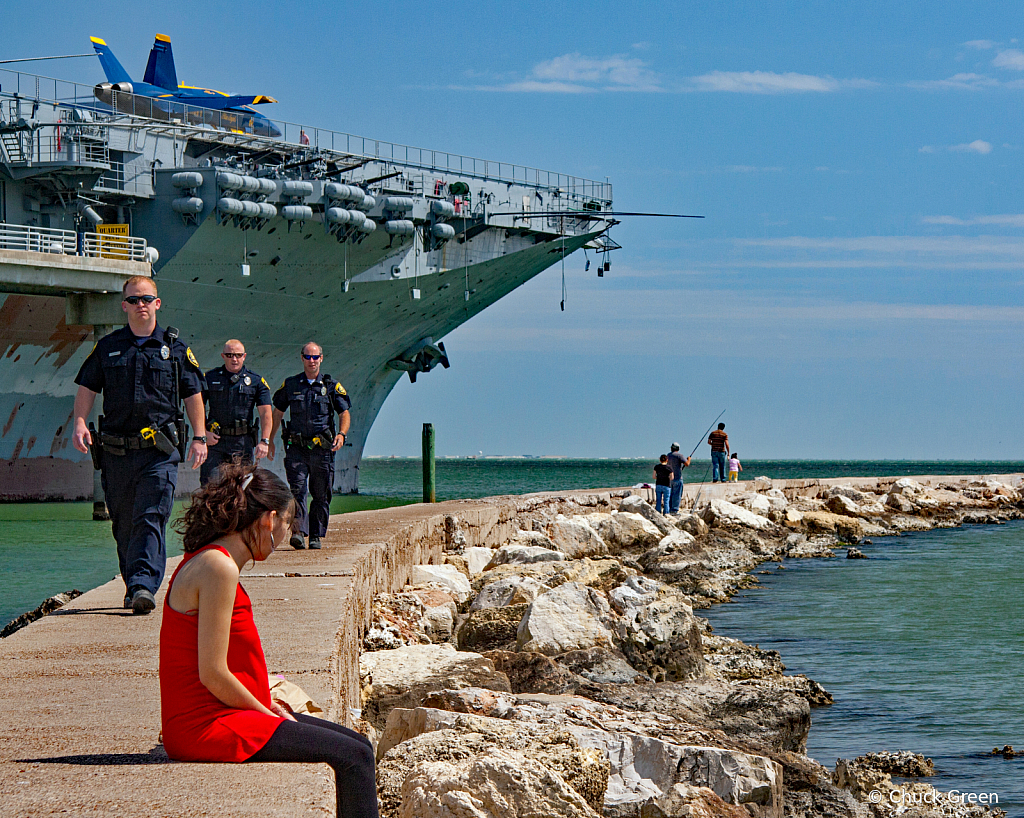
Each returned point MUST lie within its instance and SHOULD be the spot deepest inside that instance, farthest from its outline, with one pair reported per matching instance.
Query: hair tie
(247, 480)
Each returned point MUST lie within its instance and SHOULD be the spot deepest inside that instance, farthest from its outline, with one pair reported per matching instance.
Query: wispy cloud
(1003, 220)
(981, 45)
(770, 82)
(579, 74)
(963, 81)
(1009, 58)
(979, 146)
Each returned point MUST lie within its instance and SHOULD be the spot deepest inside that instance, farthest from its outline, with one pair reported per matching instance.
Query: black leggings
(349, 754)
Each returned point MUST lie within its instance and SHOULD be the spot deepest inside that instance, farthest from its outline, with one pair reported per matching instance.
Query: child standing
(734, 468)
(662, 485)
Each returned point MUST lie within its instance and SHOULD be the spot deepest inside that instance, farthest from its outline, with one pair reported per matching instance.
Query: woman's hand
(282, 711)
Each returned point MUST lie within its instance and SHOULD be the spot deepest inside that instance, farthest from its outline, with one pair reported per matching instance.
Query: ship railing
(37, 239)
(52, 240)
(102, 245)
(252, 127)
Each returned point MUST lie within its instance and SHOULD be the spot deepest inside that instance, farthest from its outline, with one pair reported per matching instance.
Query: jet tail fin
(111, 67)
(160, 68)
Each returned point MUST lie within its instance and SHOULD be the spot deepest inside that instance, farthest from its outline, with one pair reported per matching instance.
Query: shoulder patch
(264, 382)
(191, 358)
(340, 389)
(282, 385)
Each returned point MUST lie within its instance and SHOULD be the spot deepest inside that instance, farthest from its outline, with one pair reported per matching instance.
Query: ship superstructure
(373, 249)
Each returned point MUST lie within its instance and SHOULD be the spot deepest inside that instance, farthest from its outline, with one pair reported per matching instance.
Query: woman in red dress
(214, 693)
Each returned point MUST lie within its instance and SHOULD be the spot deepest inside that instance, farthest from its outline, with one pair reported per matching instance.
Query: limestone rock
(491, 628)
(855, 554)
(735, 660)
(476, 700)
(819, 546)
(634, 592)
(900, 503)
(760, 716)
(534, 672)
(635, 504)
(644, 768)
(852, 493)
(402, 677)
(569, 617)
(602, 666)
(494, 785)
(757, 503)
(423, 735)
(509, 590)
(533, 537)
(841, 504)
(829, 523)
(723, 513)
(625, 531)
(477, 559)
(515, 554)
(574, 537)
(447, 576)
(692, 802)
(792, 517)
(762, 483)
(693, 524)
(602, 574)
(662, 639)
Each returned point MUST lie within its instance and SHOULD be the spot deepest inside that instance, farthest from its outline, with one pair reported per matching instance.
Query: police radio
(177, 429)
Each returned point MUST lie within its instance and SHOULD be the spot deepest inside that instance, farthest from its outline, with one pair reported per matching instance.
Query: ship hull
(273, 311)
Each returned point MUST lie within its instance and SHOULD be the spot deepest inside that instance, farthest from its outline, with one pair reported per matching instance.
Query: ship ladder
(11, 141)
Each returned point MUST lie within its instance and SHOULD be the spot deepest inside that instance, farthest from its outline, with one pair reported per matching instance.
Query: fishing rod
(712, 426)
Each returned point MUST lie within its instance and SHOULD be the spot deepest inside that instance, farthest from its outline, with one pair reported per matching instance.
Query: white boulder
(722, 512)
(569, 617)
(447, 576)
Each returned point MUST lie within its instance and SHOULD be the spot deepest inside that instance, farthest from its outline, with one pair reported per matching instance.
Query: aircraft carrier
(270, 235)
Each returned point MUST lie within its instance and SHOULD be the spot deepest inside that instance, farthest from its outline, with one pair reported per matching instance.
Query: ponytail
(232, 503)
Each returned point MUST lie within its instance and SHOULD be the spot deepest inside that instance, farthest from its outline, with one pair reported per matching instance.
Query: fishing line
(563, 273)
(712, 426)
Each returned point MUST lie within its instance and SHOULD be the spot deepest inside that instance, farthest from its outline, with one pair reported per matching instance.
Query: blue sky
(853, 292)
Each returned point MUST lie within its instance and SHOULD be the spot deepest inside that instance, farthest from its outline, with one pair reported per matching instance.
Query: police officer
(143, 370)
(311, 441)
(233, 391)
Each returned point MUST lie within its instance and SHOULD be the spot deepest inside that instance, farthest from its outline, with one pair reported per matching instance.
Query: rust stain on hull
(39, 320)
(10, 420)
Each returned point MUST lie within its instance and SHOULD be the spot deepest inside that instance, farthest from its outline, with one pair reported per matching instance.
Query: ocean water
(922, 646)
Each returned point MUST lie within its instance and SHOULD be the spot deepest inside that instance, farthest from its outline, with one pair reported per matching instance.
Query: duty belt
(239, 427)
(119, 444)
(324, 440)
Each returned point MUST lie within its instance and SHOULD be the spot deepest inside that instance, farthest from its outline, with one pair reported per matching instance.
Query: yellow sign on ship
(114, 241)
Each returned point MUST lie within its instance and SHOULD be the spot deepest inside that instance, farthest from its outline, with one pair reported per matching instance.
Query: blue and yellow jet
(161, 96)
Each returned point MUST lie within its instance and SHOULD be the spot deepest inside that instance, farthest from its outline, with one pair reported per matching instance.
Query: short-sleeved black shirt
(136, 377)
(312, 406)
(233, 397)
(662, 475)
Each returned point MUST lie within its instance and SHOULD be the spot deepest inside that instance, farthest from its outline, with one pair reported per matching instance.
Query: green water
(47, 548)
(922, 646)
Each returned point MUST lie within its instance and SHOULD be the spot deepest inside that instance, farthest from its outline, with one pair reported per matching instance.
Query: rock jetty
(567, 673)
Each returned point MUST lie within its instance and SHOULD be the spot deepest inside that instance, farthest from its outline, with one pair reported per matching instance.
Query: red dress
(197, 726)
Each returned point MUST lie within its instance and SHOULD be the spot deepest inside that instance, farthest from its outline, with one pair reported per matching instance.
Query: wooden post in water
(429, 495)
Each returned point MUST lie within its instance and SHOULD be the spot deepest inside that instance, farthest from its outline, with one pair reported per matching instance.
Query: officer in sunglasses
(310, 441)
(233, 392)
(144, 372)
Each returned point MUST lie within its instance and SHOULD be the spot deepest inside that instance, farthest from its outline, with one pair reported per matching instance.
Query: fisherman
(144, 372)
(310, 441)
(676, 462)
(233, 391)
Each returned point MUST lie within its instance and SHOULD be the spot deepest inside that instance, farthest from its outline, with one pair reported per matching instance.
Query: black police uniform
(309, 435)
(232, 399)
(142, 380)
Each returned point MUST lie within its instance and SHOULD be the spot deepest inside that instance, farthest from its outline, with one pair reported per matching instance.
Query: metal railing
(37, 239)
(28, 90)
(126, 248)
(67, 242)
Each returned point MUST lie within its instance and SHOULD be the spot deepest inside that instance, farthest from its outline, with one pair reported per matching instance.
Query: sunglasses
(233, 354)
(135, 299)
(311, 357)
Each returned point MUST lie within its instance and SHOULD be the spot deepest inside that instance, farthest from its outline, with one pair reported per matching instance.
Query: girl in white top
(734, 468)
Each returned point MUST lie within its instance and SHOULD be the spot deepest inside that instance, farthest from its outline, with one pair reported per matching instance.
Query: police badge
(323, 390)
(165, 352)
(248, 380)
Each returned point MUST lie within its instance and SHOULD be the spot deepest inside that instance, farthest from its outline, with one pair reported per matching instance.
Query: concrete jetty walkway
(80, 714)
